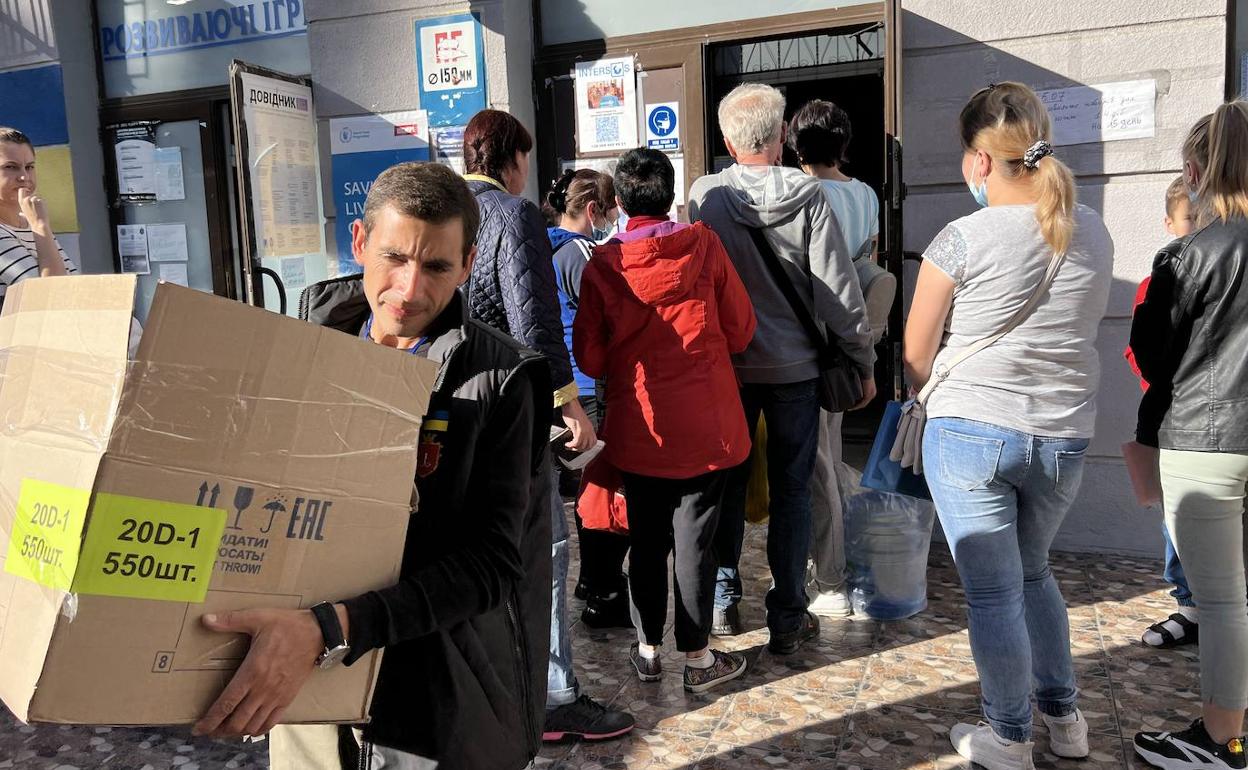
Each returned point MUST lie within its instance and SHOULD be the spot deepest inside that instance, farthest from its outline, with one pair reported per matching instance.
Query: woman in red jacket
(661, 311)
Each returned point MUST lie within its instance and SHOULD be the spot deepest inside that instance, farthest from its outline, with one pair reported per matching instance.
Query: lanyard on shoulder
(487, 179)
(367, 334)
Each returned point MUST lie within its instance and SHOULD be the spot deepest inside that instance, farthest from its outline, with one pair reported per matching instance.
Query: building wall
(364, 61)
(48, 90)
(949, 51)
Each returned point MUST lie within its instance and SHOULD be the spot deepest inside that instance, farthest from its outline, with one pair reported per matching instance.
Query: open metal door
(891, 248)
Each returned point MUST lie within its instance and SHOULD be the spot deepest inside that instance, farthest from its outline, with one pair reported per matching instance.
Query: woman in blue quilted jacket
(512, 288)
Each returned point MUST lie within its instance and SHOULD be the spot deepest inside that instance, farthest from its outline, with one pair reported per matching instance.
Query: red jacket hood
(659, 270)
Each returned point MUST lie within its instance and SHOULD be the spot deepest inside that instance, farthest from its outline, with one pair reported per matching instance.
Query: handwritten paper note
(1102, 113)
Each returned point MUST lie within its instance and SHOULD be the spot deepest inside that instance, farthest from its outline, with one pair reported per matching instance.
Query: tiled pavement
(867, 696)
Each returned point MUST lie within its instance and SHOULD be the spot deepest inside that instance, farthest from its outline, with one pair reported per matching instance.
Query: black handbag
(838, 387)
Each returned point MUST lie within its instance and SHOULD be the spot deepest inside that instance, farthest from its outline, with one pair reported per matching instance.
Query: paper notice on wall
(132, 246)
(294, 274)
(606, 105)
(174, 272)
(135, 148)
(1102, 113)
(282, 162)
(167, 243)
(448, 146)
(169, 184)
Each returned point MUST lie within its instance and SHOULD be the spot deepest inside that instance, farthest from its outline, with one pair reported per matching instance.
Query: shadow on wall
(26, 35)
(1124, 181)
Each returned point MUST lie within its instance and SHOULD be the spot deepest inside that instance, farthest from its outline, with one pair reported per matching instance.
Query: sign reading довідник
(450, 64)
(362, 147)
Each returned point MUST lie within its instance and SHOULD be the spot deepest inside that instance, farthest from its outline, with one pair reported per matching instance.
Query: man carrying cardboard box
(464, 631)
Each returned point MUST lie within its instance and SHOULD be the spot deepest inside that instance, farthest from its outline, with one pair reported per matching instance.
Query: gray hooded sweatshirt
(801, 228)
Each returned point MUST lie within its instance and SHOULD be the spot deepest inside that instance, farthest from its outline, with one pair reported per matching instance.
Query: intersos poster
(606, 105)
(282, 161)
(361, 148)
(450, 61)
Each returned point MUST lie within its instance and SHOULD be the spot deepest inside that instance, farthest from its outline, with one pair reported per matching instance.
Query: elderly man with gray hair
(779, 369)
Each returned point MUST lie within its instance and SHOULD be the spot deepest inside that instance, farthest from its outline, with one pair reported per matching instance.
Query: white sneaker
(981, 745)
(1068, 735)
(833, 604)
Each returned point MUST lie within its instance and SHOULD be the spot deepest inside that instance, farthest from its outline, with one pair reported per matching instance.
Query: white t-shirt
(857, 210)
(1042, 377)
(18, 257)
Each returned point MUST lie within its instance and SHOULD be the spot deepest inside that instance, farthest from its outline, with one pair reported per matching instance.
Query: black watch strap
(331, 629)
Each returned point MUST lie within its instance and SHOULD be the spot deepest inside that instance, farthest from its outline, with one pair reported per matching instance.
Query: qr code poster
(606, 105)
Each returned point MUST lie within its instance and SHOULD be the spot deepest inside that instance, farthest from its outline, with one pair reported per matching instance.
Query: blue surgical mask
(979, 193)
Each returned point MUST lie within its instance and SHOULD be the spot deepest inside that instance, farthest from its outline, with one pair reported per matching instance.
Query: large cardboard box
(240, 459)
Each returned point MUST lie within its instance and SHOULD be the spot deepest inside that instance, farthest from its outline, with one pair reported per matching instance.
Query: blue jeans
(792, 414)
(1173, 573)
(561, 684)
(1001, 496)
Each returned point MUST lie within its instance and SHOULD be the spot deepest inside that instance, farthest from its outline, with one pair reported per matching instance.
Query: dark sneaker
(727, 666)
(587, 720)
(610, 611)
(726, 622)
(788, 642)
(1192, 748)
(648, 669)
(581, 592)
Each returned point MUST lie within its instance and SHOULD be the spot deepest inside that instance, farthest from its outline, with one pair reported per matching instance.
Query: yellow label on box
(149, 549)
(47, 532)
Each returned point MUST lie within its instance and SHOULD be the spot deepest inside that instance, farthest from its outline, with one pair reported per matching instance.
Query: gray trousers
(1203, 494)
(827, 525)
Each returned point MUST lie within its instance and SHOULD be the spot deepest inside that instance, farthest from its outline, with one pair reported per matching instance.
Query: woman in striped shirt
(27, 247)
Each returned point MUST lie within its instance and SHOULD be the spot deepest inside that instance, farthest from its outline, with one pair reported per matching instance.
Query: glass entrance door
(168, 183)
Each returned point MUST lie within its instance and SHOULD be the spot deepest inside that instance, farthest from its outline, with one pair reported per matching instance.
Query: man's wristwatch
(336, 647)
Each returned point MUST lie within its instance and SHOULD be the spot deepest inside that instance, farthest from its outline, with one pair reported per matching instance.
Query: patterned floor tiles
(868, 695)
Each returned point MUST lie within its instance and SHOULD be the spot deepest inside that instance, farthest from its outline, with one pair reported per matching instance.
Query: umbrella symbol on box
(274, 507)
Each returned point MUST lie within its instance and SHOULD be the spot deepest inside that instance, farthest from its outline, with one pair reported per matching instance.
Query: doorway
(846, 66)
(170, 203)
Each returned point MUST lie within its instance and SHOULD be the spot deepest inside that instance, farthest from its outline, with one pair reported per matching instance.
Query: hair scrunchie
(1036, 153)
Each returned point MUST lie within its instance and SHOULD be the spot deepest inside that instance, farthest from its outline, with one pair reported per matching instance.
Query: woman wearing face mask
(28, 249)
(1188, 338)
(1008, 426)
(512, 288)
(582, 203)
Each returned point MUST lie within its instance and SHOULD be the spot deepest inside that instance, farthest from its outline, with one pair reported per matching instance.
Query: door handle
(281, 288)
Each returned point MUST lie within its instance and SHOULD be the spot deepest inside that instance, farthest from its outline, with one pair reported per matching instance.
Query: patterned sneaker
(727, 666)
(1192, 748)
(648, 669)
(1068, 735)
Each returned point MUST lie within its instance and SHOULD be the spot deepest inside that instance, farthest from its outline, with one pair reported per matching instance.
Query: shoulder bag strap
(788, 290)
(1049, 274)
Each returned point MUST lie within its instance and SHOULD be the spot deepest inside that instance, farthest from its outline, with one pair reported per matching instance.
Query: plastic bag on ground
(887, 537)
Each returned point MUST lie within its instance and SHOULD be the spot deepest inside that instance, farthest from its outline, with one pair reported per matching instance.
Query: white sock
(705, 661)
(1154, 639)
(1068, 719)
(648, 651)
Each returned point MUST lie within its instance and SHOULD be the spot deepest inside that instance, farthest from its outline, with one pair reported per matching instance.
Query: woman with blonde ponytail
(1010, 421)
(1189, 338)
